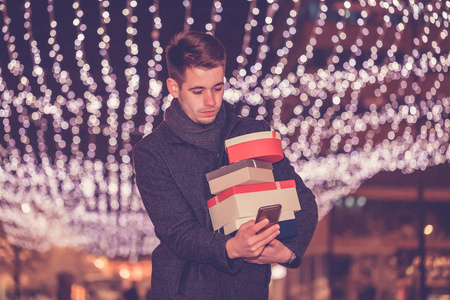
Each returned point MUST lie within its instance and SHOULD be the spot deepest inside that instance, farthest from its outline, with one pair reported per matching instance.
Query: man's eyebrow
(196, 88)
(202, 87)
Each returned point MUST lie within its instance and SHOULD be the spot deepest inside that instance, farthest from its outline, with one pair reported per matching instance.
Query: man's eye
(218, 89)
(196, 92)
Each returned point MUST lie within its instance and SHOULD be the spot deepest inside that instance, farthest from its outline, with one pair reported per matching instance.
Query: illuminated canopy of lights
(81, 84)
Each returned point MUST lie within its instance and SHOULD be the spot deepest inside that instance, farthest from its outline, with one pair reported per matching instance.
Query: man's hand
(246, 243)
(274, 252)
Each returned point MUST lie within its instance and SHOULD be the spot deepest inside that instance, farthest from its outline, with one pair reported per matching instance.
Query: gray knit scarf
(207, 136)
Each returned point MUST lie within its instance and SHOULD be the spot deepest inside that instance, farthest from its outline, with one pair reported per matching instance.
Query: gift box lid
(252, 188)
(265, 145)
(251, 137)
(253, 163)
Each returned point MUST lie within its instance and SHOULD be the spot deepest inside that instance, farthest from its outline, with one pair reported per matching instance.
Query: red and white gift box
(264, 145)
(244, 201)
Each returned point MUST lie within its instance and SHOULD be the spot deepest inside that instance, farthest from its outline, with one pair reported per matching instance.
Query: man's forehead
(202, 77)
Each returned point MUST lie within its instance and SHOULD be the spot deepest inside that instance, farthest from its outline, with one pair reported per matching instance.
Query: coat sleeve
(174, 220)
(305, 219)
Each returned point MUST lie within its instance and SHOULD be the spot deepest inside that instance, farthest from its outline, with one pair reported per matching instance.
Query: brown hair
(193, 50)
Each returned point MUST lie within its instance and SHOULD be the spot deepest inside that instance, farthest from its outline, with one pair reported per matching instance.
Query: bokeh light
(75, 100)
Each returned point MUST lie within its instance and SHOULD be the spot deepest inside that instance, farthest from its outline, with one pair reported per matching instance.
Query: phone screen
(270, 212)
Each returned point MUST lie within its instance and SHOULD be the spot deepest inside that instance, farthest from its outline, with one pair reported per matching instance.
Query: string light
(152, 102)
(188, 19)
(215, 17)
(66, 174)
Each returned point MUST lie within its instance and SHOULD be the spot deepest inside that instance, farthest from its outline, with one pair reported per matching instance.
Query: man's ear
(173, 87)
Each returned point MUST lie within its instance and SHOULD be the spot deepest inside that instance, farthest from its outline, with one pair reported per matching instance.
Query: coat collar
(231, 121)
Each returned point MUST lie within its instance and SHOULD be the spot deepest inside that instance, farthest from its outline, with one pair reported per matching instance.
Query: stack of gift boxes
(247, 183)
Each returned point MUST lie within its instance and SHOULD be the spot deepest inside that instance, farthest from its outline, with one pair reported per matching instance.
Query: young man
(192, 261)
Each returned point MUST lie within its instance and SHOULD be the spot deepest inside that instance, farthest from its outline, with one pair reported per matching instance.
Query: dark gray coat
(191, 260)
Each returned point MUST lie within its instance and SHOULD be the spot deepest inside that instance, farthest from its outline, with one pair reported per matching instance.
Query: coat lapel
(188, 169)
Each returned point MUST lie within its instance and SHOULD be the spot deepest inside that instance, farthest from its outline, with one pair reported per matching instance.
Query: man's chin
(207, 117)
(206, 120)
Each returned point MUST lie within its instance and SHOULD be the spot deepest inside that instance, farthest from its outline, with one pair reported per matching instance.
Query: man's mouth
(209, 112)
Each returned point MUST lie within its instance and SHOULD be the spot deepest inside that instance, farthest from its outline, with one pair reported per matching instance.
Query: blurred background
(359, 91)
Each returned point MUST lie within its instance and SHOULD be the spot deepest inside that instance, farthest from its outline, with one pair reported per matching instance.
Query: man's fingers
(247, 225)
(268, 232)
(274, 243)
(267, 236)
(272, 237)
(252, 244)
(258, 226)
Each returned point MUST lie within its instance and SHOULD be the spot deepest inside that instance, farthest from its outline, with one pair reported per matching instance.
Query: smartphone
(270, 212)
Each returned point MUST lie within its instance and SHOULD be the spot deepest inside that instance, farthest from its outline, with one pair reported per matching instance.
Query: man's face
(200, 96)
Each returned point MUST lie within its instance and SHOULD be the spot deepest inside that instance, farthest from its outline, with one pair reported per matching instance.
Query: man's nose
(209, 99)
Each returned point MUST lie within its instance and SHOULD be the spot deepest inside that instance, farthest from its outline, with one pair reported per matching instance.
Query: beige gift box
(244, 201)
(233, 226)
(245, 172)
